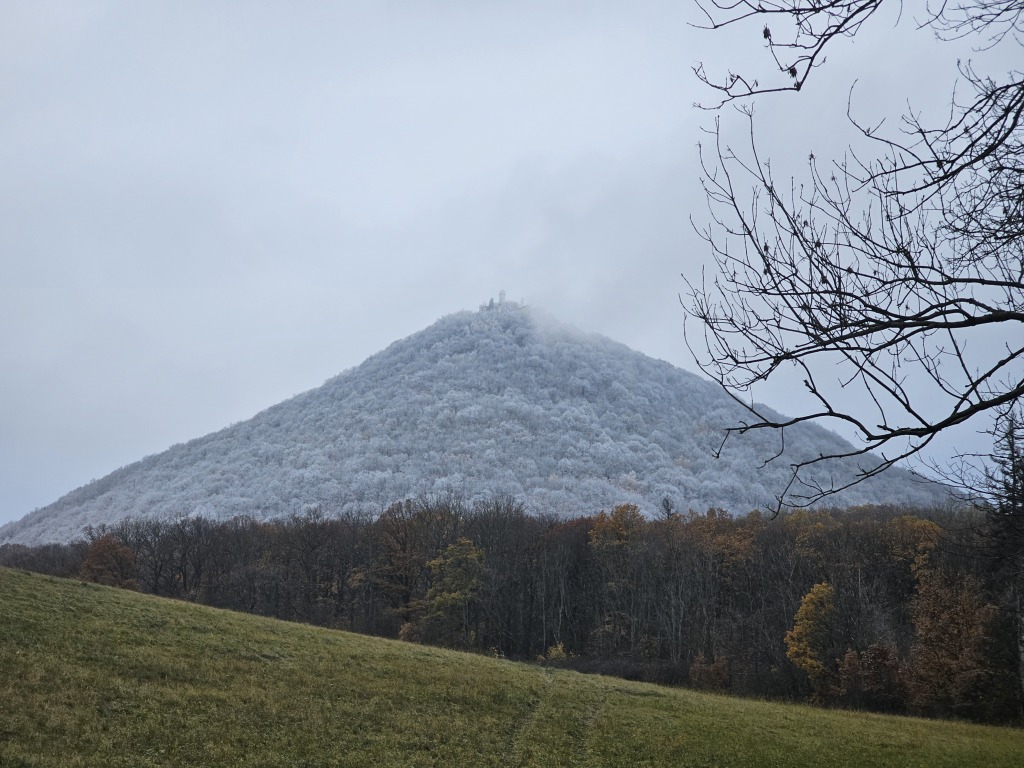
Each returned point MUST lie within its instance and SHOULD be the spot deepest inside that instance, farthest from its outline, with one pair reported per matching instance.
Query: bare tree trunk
(1019, 589)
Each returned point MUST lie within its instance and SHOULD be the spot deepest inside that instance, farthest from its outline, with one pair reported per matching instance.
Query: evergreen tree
(1004, 510)
(1005, 487)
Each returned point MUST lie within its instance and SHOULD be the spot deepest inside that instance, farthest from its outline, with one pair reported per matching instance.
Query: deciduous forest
(873, 608)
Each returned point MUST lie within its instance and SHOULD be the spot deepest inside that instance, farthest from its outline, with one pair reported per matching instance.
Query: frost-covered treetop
(505, 400)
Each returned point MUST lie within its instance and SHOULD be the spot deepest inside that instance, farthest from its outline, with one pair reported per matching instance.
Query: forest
(504, 401)
(879, 608)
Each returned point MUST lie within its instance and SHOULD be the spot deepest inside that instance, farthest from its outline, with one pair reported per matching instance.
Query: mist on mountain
(504, 401)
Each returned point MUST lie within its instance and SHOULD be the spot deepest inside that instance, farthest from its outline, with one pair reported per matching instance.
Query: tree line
(872, 607)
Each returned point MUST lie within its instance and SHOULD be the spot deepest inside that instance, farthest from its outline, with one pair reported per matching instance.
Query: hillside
(92, 676)
(500, 401)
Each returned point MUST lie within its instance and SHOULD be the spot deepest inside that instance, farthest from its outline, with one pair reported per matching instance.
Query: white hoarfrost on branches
(499, 402)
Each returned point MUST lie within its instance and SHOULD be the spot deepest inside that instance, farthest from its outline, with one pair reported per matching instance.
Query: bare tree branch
(890, 266)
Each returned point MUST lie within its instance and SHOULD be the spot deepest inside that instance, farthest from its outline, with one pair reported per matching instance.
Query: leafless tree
(894, 266)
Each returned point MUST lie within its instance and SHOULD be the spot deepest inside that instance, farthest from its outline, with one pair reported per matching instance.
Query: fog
(208, 208)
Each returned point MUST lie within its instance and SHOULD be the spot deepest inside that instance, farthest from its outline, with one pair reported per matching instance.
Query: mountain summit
(500, 401)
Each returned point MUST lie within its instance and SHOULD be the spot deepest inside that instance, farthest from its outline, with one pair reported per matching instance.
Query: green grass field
(91, 676)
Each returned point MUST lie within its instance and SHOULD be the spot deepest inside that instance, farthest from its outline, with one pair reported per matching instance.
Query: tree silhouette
(1004, 508)
(891, 269)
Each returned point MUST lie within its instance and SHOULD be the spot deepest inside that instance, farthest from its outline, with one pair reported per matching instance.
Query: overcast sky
(206, 208)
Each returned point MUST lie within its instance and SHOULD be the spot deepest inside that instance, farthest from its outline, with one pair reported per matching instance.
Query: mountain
(500, 401)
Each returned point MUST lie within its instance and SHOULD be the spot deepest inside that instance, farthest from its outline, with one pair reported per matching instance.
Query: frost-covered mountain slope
(500, 401)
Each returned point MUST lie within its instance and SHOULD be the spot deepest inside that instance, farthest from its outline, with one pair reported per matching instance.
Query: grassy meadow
(92, 676)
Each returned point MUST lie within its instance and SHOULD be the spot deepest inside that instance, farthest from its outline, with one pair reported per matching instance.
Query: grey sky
(208, 207)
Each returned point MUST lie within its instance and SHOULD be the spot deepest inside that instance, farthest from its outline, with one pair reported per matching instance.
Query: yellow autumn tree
(810, 645)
